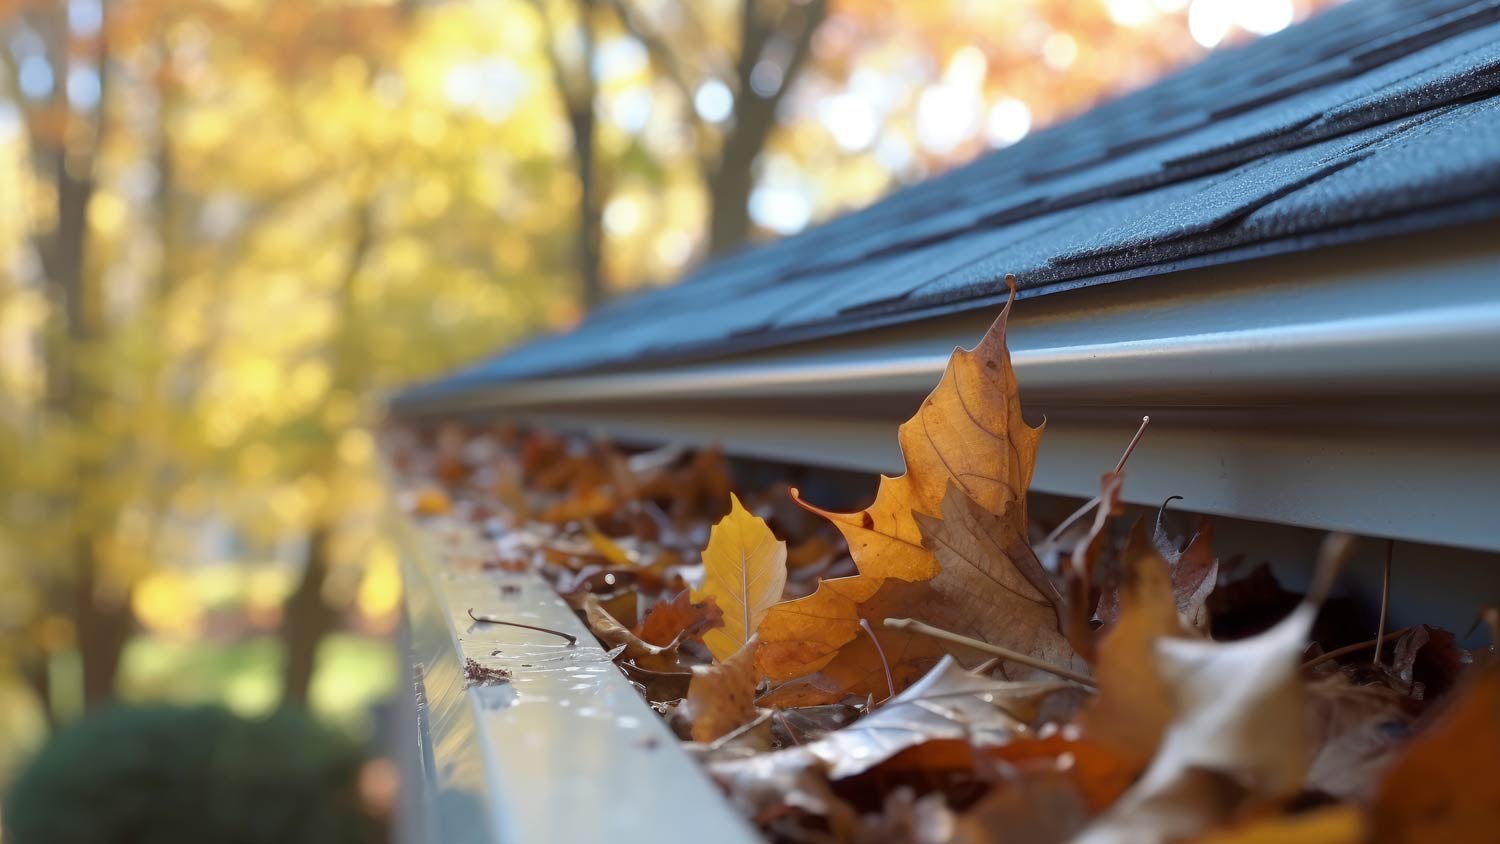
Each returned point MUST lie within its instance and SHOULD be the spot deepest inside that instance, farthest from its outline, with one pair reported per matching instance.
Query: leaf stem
(914, 626)
(1357, 646)
(489, 619)
(890, 684)
(1385, 599)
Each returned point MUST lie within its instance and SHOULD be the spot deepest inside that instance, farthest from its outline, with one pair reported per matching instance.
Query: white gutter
(1355, 388)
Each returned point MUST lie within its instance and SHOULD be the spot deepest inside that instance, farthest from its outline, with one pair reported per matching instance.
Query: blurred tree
(244, 222)
(729, 94)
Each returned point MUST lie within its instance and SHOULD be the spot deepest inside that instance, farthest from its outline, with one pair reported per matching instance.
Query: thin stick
(763, 717)
(1385, 599)
(1094, 502)
(914, 626)
(1134, 441)
(890, 683)
(786, 725)
(1354, 648)
(489, 619)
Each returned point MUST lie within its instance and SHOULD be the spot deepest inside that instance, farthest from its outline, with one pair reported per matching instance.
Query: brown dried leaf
(1077, 613)
(1357, 731)
(858, 667)
(1238, 734)
(983, 589)
(1134, 703)
(1443, 787)
(1195, 574)
(614, 634)
(721, 697)
(1039, 809)
(680, 617)
(949, 703)
(968, 431)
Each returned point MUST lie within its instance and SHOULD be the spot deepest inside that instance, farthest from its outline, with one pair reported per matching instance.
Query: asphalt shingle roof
(1373, 118)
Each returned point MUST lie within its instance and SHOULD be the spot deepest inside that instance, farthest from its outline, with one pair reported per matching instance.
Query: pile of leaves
(938, 667)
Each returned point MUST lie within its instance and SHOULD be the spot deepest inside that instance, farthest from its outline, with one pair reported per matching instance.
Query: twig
(1336, 550)
(1094, 502)
(489, 619)
(1354, 648)
(1385, 599)
(765, 715)
(890, 684)
(1134, 441)
(914, 626)
(786, 725)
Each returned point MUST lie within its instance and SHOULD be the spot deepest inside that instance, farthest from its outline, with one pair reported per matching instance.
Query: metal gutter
(566, 750)
(1355, 388)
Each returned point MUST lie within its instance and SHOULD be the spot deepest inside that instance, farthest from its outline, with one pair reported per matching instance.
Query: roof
(1373, 118)
(1285, 255)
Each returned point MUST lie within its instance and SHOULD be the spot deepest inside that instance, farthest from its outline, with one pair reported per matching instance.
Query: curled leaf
(616, 635)
(680, 617)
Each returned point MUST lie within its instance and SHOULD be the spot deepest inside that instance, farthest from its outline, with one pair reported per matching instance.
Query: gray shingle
(1375, 117)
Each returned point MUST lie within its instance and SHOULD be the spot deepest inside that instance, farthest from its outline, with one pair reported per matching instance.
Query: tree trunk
(733, 178)
(103, 626)
(590, 237)
(580, 105)
(307, 619)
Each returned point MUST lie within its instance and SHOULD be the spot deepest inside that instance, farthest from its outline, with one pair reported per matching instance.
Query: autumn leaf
(744, 572)
(968, 434)
(1237, 733)
(721, 697)
(1356, 730)
(680, 617)
(614, 634)
(1134, 703)
(1443, 787)
(990, 587)
(1195, 573)
(1077, 612)
(948, 703)
(1045, 809)
(1326, 825)
(968, 431)
(430, 501)
(801, 636)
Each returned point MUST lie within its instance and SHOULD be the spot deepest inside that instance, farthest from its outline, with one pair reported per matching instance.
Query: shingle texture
(1376, 117)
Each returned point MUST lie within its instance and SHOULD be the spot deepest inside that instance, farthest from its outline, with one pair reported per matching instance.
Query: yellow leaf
(744, 572)
(1340, 824)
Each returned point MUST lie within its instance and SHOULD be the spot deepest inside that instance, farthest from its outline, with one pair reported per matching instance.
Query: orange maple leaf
(968, 436)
